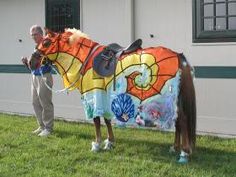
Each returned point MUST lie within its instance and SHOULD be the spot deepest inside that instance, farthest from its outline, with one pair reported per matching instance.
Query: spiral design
(152, 67)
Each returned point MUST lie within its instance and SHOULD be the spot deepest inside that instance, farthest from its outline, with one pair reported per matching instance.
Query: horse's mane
(76, 34)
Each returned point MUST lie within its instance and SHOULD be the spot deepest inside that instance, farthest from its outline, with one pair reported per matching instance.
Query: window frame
(201, 36)
(75, 14)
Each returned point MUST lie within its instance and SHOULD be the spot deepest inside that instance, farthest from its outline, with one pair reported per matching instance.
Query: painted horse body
(153, 86)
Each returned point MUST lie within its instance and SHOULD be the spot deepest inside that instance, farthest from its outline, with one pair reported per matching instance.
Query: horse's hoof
(108, 145)
(95, 147)
(172, 150)
(183, 160)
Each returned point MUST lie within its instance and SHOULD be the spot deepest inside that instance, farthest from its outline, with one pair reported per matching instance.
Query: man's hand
(25, 61)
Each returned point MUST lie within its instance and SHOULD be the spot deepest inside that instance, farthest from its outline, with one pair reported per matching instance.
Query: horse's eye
(47, 43)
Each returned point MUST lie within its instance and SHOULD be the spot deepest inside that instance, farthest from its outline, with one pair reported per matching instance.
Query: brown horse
(149, 87)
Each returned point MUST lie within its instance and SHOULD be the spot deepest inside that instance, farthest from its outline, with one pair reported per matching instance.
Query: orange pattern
(164, 60)
(168, 65)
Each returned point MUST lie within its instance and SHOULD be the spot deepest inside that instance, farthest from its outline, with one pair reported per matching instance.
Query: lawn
(138, 152)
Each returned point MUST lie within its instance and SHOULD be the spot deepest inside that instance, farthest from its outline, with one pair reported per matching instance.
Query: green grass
(138, 152)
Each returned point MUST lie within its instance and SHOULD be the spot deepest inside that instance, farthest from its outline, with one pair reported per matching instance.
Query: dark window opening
(61, 14)
(214, 20)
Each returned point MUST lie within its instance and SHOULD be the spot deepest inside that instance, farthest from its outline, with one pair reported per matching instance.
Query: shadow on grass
(208, 157)
(67, 134)
(203, 158)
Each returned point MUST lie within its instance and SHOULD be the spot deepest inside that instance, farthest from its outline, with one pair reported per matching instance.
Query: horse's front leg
(110, 141)
(97, 142)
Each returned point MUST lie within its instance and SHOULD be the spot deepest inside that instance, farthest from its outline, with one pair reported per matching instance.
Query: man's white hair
(36, 28)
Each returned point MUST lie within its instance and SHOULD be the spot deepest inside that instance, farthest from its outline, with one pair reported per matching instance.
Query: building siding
(157, 22)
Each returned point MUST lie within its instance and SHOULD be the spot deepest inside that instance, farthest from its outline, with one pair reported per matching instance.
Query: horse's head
(48, 49)
(54, 43)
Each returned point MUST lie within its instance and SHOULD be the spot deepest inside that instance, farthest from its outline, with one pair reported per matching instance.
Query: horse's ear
(49, 32)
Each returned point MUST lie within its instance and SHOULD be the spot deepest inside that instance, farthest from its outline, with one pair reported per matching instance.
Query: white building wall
(171, 25)
(165, 20)
(108, 21)
(121, 21)
(16, 18)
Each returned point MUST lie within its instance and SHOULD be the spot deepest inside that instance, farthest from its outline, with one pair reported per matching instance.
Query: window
(214, 20)
(61, 14)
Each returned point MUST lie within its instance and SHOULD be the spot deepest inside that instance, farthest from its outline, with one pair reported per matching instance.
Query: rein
(50, 88)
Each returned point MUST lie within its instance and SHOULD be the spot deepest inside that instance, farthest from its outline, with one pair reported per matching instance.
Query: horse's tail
(187, 98)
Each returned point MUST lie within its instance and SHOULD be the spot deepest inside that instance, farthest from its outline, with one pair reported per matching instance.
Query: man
(41, 95)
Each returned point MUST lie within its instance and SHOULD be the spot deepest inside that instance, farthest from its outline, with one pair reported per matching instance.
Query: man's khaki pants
(42, 100)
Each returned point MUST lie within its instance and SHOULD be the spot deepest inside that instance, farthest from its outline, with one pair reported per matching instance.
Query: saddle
(105, 62)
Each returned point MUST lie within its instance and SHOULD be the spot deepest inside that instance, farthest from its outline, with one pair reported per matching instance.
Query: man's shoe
(37, 131)
(44, 133)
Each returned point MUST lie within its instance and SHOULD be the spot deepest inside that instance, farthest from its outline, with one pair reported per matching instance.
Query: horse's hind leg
(109, 142)
(185, 139)
(96, 144)
(176, 146)
(186, 149)
(177, 142)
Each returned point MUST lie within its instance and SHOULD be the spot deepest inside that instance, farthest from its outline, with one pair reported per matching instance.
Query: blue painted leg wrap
(183, 159)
